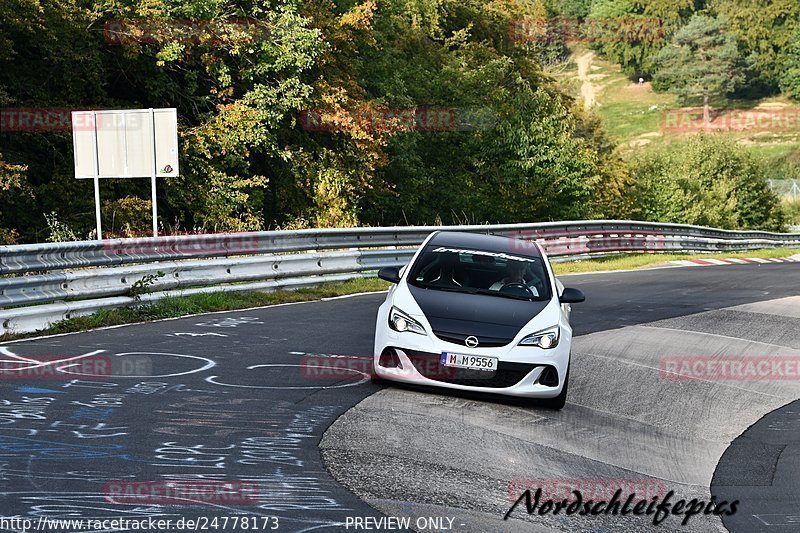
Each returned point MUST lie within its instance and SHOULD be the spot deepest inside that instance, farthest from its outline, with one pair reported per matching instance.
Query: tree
(790, 76)
(763, 28)
(701, 60)
(517, 147)
(532, 157)
(12, 187)
(631, 32)
(571, 8)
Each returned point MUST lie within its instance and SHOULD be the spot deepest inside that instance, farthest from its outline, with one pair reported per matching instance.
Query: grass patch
(628, 110)
(776, 152)
(624, 121)
(633, 261)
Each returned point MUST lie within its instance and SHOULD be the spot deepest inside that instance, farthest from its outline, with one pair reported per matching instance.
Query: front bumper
(522, 371)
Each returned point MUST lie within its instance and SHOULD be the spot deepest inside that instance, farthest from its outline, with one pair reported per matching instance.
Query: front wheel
(561, 400)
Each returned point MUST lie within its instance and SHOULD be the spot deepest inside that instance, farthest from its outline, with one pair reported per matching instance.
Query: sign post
(99, 234)
(129, 143)
(153, 175)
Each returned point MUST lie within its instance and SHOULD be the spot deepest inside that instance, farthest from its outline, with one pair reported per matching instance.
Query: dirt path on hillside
(588, 93)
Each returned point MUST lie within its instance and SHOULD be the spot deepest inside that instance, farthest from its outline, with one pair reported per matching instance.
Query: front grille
(506, 375)
(483, 342)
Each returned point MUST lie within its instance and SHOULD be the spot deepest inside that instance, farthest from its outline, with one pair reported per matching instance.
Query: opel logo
(471, 341)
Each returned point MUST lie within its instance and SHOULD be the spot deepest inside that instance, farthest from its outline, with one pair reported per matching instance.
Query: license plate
(473, 362)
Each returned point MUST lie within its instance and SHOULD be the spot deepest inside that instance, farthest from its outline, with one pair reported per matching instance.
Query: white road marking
(212, 379)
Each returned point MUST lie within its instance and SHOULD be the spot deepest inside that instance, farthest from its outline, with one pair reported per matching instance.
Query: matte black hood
(494, 320)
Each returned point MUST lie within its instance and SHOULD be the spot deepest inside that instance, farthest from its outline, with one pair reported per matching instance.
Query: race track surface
(229, 397)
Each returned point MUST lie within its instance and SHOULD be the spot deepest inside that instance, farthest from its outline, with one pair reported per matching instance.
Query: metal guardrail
(117, 281)
(61, 280)
(54, 256)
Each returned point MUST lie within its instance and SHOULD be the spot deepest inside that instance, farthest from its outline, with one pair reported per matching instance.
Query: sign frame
(125, 143)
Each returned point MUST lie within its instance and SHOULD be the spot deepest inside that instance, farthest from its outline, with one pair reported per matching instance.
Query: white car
(477, 313)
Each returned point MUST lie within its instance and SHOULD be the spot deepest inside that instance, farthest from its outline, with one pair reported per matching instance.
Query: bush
(13, 186)
(131, 215)
(792, 212)
(708, 181)
(59, 232)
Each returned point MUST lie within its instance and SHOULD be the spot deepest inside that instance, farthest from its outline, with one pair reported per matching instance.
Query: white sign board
(127, 143)
(130, 143)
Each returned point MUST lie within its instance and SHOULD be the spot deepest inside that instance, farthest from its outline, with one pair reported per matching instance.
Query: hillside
(636, 116)
(639, 119)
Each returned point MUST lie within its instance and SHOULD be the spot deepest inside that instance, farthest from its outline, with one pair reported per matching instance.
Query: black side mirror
(571, 296)
(390, 274)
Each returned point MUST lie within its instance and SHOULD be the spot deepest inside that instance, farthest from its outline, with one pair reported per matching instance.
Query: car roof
(483, 242)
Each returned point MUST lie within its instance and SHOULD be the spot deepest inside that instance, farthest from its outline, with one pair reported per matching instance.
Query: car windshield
(481, 272)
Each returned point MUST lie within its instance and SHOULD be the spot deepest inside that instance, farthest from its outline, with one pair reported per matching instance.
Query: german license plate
(473, 362)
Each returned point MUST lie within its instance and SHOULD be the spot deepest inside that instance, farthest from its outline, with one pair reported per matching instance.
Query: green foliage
(520, 151)
(792, 212)
(142, 286)
(573, 8)
(707, 181)
(12, 186)
(11, 176)
(702, 59)
(517, 148)
(59, 232)
(651, 23)
(131, 216)
(763, 30)
(256, 85)
(790, 67)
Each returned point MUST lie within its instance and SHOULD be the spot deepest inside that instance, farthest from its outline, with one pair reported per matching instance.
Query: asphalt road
(244, 398)
(630, 423)
(222, 397)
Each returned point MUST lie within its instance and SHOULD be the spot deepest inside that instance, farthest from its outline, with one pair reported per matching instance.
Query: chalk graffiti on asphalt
(190, 334)
(61, 432)
(229, 322)
(37, 449)
(203, 416)
(351, 383)
(174, 454)
(93, 476)
(159, 387)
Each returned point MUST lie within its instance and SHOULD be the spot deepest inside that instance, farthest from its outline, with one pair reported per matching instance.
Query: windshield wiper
(448, 288)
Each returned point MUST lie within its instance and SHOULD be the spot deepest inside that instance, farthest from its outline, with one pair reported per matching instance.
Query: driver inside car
(515, 273)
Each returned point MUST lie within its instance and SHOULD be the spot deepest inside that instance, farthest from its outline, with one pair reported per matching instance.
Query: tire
(559, 401)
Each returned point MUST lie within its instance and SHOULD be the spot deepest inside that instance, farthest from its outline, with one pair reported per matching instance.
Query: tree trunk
(706, 112)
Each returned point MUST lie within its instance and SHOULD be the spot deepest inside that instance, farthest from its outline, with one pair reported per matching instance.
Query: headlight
(546, 339)
(399, 321)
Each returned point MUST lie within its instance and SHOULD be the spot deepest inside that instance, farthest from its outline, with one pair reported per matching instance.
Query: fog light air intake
(549, 377)
(389, 359)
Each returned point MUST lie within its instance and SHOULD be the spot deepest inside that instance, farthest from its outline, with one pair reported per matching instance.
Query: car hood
(494, 320)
